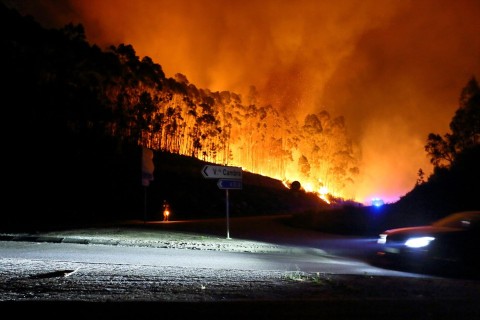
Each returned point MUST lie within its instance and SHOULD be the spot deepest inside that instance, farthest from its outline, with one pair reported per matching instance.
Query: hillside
(101, 180)
(178, 179)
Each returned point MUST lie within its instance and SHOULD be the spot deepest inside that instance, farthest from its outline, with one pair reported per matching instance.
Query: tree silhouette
(465, 129)
(465, 125)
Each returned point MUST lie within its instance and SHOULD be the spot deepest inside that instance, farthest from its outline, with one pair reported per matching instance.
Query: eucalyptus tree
(140, 84)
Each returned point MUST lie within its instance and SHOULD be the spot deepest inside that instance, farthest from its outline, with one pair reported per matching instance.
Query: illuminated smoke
(393, 69)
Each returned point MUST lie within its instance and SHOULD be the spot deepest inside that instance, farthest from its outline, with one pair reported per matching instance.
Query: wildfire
(299, 57)
(322, 192)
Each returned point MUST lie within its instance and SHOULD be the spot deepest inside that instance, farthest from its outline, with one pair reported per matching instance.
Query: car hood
(419, 231)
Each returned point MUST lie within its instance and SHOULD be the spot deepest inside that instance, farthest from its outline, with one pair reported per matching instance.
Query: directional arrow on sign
(215, 172)
(229, 184)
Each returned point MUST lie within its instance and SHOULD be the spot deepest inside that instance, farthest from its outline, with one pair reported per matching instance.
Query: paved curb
(50, 239)
(194, 245)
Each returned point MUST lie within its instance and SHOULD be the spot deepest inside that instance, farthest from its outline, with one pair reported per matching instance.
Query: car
(451, 244)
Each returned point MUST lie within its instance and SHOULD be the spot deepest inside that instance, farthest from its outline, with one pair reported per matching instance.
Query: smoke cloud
(393, 69)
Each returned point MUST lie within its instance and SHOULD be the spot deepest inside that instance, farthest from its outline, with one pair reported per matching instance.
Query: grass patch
(316, 278)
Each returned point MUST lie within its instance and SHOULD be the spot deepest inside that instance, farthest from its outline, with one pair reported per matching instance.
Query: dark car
(450, 244)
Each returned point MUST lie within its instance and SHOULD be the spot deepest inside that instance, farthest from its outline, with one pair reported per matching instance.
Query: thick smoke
(393, 69)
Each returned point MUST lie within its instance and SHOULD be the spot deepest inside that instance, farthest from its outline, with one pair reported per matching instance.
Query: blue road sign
(229, 184)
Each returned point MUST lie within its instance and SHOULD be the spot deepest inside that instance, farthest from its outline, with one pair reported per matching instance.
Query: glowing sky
(393, 68)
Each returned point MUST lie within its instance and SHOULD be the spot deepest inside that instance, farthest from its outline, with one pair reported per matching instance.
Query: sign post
(229, 178)
(228, 215)
(147, 175)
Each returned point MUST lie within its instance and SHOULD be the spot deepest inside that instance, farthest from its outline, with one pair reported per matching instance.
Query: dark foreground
(324, 309)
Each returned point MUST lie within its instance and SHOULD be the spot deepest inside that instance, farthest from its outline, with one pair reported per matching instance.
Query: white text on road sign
(215, 172)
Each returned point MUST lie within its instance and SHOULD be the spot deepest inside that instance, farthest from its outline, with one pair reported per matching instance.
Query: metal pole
(145, 205)
(228, 225)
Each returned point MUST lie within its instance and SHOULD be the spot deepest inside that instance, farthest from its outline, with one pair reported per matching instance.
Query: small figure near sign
(166, 210)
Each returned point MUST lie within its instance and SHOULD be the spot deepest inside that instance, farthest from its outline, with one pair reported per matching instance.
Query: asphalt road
(66, 284)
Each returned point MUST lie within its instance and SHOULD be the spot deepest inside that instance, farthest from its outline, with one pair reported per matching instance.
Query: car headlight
(382, 239)
(419, 242)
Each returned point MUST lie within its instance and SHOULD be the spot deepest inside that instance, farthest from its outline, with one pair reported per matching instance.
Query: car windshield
(459, 220)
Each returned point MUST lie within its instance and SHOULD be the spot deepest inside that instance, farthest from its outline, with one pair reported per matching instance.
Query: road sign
(216, 172)
(229, 184)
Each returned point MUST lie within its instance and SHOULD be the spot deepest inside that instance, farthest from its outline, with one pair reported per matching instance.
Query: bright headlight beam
(419, 242)
(382, 239)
